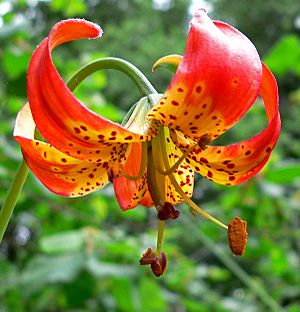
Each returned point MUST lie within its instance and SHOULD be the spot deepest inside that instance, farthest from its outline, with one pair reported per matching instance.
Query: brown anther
(158, 263)
(114, 172)
(167, 211)
(148, 257)
(204, 140)
(159, 266)
(237, 236)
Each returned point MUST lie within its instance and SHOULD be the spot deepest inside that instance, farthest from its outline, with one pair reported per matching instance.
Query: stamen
(114, 172)
(178, 188)
(167, 211)
(156, 189)
(204, 140)
(158, 262)
(160, 236)
(178, 162)
(237, 236)
(142, 167)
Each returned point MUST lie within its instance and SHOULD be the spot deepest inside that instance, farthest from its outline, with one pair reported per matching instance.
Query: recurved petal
(236, 163)
(215, 84)
(59, 172)
(63, 121)
(131, 193)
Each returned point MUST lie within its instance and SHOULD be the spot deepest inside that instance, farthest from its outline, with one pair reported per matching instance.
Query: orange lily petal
(215, 84)
(62, 120)
(184, 175)
(131, 193)
(236, 163)
(165, 152)
(59, 172)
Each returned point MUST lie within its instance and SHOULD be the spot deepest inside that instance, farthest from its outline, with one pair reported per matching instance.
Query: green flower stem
(130, 70)
(127, 68)
(12, 197)
(256, 287)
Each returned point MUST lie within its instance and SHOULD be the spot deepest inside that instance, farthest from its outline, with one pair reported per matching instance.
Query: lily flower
(151, 158)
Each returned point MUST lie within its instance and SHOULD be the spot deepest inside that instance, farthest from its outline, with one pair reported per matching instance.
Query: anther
(204, 140)
(237, 236)
(159, 266)
(114, 171)
(148, 257)
(158, 263)
(167, 211)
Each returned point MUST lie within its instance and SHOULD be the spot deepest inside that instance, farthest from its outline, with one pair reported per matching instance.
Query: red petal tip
(96, 30)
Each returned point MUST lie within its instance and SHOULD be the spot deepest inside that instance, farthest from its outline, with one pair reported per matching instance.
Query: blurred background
(63, 254)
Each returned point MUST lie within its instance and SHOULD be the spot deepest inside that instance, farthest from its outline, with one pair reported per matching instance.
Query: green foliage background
(63, 254)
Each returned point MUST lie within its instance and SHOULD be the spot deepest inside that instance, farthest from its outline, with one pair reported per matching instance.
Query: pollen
(237, 236)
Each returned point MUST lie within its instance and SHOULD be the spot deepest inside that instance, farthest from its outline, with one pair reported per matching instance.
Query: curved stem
(12, 197)
(143, 84)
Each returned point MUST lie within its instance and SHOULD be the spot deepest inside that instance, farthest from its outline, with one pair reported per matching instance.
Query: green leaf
(62, 242)
(102, 269)
(284, 56)
(15, 63)
(151, 298)
(286, 173)
(43, 270)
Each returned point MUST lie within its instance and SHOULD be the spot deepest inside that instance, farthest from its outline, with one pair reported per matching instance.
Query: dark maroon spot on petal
(209, 174)
(225, 162)
(45, 154)
(175, 103)
(230, 166)
(268, 150)
(101, 136)
(203, 159)
(198, 89)
(180, 90)
(64, 160)
(91, 176)
(172, 117)
(231, 178)
(204, 105)
(86, 138)
(84, 128)
(248, 153)
(113, 133)
(162, 115)
(130, 137)
(77, 130)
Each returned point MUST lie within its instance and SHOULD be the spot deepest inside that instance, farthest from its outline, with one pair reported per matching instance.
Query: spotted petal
(131, 193)
(62, 120)
(184, 175)
(215, 84)
(237, 163)
(59, 172)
